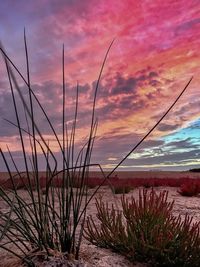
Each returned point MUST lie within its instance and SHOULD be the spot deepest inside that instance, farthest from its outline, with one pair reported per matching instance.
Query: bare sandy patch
(94, 256)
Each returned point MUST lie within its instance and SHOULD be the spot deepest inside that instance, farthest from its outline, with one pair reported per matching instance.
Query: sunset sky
(155, 53)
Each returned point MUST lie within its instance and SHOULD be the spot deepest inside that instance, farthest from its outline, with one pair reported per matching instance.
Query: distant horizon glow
(155, 53)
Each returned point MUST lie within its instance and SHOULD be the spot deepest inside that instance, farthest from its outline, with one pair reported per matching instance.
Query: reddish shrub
(19, 182)
(146, 231)
(189, 189)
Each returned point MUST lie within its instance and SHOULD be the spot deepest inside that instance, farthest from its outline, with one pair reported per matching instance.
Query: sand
(93, 256)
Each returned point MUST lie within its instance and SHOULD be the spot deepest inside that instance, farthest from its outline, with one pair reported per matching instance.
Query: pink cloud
(155, 53)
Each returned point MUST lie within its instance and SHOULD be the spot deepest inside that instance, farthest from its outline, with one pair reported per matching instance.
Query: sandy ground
(93, 256)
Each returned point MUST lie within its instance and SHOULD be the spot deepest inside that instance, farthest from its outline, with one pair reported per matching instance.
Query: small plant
(50, 221)
(189, 189)
(91, 186)
(147, 184)
(117, 189)
(111, 232)
(195, 170)
(146, 230)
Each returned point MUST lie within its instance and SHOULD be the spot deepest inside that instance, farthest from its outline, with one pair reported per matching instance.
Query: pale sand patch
(99, 257)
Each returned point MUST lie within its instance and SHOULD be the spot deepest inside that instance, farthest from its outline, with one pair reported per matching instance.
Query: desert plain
(93, 256)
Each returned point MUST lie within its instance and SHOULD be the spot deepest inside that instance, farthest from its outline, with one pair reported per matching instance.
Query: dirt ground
(93, 256)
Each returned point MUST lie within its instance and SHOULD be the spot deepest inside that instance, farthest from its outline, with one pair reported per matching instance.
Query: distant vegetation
(195, 170)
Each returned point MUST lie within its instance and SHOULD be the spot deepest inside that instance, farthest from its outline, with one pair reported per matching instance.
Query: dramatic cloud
(155, 53)
(163, 127)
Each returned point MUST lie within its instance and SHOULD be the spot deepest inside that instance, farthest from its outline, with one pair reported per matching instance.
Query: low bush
(189, 189)
(146, 230)
(121, 189)
(91, 186)
(195, 170)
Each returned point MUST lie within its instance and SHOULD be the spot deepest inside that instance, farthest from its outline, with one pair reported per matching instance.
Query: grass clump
(118, 189)
(146, 231)
(50, 220)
